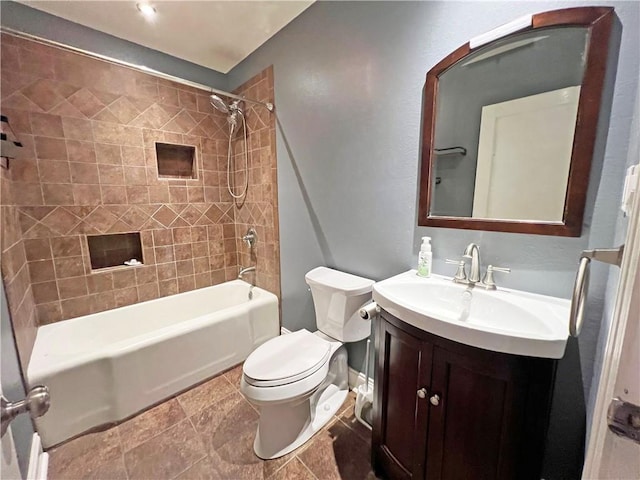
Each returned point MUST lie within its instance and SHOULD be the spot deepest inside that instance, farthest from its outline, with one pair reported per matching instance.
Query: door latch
(623, 419)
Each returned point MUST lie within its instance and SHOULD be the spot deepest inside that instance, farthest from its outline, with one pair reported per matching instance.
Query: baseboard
(356, 378)
(38, 460)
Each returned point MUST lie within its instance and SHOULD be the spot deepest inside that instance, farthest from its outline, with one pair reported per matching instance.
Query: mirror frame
(598, 20)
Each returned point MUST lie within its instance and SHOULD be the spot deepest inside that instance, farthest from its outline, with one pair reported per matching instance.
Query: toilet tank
(337, 298)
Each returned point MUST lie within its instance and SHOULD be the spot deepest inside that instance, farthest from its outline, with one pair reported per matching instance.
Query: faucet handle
(461, 273)
(498, 269)
(250, 238)
(488, 281)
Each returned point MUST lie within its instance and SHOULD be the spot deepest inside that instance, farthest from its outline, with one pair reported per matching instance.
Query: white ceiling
(215, 34)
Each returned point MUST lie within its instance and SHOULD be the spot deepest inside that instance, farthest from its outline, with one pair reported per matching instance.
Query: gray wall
(35, 22)
(348, 90)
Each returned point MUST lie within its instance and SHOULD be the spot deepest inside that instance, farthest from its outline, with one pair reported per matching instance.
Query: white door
(16, 442)
(620, 456)
(610, 456)
(9, 468)
(524, 154)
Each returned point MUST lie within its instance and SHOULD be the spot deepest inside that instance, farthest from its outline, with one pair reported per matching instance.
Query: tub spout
(245, 270)
(253, 283)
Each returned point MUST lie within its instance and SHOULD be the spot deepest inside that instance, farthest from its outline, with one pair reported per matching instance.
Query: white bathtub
(103, 368)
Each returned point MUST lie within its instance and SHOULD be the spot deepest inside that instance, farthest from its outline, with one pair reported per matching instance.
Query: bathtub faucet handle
(250, 238)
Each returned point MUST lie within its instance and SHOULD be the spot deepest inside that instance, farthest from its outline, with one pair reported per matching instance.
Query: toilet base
(285, 426)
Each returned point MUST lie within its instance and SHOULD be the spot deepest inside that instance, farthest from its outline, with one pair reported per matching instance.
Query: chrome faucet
(245, 270)
(473, 252)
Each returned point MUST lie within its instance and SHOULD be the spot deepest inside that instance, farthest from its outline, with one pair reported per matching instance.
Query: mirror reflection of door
(531, 65)
(518, 175)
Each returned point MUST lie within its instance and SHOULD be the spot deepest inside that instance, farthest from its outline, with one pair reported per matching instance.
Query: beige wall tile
(48, 148)
(72, 287)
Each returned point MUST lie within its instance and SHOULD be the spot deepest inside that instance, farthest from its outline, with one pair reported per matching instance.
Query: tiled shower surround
(260, 207)
(88, 167)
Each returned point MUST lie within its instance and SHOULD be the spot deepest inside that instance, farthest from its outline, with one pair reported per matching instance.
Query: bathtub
(105, 367)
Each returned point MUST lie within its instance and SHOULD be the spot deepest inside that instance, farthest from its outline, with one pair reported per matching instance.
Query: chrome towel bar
(612, 256)
(450, 151)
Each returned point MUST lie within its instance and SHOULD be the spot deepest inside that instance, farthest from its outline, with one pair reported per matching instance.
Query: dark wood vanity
(444, 410)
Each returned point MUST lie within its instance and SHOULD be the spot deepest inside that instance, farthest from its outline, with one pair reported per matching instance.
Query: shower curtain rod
(268, 105)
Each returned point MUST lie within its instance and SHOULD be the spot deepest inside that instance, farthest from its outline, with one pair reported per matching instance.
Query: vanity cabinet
(444, 410)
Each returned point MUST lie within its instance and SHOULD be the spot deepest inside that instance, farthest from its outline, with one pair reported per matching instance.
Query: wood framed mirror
(509, 125)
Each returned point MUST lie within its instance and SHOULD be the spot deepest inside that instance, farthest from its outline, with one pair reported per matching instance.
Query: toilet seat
(286, 359)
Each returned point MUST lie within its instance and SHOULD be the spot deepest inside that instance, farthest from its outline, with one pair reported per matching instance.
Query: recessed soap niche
(176, 161)
(113, 250)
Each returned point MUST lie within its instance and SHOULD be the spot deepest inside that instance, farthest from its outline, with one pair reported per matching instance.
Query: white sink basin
(502, 320)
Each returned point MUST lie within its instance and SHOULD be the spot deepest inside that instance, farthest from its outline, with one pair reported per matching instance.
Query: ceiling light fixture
(146, 9)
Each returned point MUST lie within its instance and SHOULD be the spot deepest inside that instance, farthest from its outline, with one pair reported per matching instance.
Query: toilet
(299, 380)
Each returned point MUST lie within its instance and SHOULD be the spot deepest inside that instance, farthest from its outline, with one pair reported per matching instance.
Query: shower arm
(267, 105)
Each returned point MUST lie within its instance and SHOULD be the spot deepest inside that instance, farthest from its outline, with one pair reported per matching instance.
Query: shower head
(235, 118)
(219, 104)
(233, 110)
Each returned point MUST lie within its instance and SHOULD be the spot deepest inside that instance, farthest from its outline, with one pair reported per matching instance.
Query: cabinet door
(400, 415)
(477, 416)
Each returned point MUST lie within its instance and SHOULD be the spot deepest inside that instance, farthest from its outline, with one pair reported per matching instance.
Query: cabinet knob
(422, 393)
(435, 400)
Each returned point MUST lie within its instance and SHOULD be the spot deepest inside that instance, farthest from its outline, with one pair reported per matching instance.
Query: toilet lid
(287, 358)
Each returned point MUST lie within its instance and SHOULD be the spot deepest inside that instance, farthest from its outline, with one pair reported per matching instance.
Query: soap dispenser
(425, 258)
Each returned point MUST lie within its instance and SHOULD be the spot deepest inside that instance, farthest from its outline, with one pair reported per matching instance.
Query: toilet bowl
(299, 380)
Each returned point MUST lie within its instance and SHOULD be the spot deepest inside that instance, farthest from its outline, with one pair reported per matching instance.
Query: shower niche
(114, 250)
(176, 161)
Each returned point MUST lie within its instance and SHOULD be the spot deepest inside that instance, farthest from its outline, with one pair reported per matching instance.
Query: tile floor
(207, 433)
